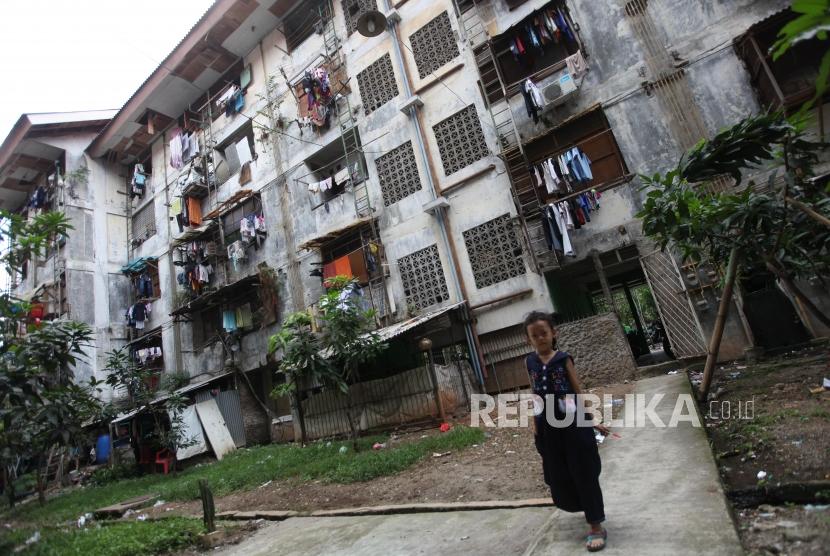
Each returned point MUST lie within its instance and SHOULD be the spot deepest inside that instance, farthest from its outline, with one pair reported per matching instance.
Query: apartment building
(44, 167)
(424, 151)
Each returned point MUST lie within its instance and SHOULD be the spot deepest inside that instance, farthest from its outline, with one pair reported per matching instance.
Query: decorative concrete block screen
(433, 45)
(460, 140)
(495, 251)
(398, 174)
(423, 278)
(353, 9)
(377, 84)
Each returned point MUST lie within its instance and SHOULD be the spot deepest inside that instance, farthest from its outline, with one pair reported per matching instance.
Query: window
(495, 251)
(433, 45)
(206, 326)
(353, 9)
(144, 223)
(591, 133)
(301, 23)
(424, 284)
(398, 174)
(460, 140)
(152, 272)
(232, 219)
(377, 84)
(238, 149)
(514, 67)
(788, 81)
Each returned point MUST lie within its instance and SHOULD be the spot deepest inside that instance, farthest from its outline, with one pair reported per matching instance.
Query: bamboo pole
(720, 321)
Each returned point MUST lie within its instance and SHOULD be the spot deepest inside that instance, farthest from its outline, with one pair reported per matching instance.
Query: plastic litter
(445, 427)
(265, 484)
(816, 507)
(673, 372)
(465, 537)
(600, 438)
(159, 503)
(510, 452)
(33, 539)
(440, 455)
(378, 446)
(142, 517)
(826, 383)
(343, 449)
(761, 475)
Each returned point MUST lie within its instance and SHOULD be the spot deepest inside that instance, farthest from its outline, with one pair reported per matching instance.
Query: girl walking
(570, 459)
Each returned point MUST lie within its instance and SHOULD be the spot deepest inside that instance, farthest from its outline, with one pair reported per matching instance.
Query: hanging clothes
(244, 317)
(229, 321)
(559, 216)
(553, 236)
(176, 149)
(576, 64)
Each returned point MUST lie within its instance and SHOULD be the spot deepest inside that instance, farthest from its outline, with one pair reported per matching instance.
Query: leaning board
(215, 428)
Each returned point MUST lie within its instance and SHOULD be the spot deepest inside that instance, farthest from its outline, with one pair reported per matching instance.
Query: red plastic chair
(166, 459)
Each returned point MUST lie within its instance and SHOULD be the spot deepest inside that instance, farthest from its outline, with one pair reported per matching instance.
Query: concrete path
(662, 496)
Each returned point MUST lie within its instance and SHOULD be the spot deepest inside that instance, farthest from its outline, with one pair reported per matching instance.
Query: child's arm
(577, 387)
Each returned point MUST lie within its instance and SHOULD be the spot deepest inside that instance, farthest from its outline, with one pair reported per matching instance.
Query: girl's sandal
(595, 537)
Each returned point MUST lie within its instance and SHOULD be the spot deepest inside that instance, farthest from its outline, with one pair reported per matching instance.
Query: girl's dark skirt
(571, 464)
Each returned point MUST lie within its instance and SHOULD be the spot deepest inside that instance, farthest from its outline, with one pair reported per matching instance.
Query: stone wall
(599, 349)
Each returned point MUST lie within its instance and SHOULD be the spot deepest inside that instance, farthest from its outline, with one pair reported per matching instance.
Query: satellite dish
(371, 23)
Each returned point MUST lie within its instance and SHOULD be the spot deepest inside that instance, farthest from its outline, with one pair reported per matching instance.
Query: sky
(64, 56)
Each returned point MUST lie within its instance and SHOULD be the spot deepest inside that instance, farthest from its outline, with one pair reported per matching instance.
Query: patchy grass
(248, 468)
(136, 538)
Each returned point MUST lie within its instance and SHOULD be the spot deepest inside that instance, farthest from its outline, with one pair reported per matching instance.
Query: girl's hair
(535, 316)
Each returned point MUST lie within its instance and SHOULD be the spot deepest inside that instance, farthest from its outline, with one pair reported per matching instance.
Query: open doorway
(577, 293)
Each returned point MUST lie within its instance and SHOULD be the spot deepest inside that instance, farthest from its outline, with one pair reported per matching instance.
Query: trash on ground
(761, 475)
(600, 438)
(265, 484)
(33, 539)
(343, 449)
(673, 372)
(510, 452)
(445, 427)
(816, 507)
(159, 503)
(465, 537)
(440, 455)
(378, 446)
(142, 517)
(826, 383)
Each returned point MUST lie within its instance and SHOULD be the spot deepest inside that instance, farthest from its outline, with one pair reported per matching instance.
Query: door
(673, 304)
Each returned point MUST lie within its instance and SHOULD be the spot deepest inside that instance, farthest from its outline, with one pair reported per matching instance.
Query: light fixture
(425, 344)
(371, 23)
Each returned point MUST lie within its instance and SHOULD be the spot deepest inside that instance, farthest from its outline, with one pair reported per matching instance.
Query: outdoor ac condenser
(560, 90)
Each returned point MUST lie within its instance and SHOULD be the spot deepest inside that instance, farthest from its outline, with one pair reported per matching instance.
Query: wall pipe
(443, 221)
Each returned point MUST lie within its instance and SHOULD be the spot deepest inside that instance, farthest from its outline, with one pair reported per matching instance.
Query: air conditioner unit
(560, 90)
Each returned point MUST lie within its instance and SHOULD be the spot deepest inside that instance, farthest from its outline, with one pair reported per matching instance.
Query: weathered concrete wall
(600, 350)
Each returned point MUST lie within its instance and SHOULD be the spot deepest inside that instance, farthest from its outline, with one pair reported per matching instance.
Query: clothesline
(564, 149)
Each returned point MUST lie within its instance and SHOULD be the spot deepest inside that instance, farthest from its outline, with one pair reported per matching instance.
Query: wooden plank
(215, 428)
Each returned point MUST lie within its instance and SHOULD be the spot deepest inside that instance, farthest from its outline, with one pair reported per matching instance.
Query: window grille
(433, 45)
(460, 140)
(495, 251)
(398, 174)
(423, 278)
(144, 222)
(377, 84)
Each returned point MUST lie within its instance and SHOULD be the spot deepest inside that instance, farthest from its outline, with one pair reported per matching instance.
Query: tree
(40, 403)
(164, 405)
(348, 335)
(781, 228)
(333, 356)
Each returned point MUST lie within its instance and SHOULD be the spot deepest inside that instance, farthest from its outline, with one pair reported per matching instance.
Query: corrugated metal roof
(399, 328)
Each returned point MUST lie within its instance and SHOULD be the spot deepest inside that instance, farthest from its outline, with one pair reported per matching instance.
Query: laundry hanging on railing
(319, 97)
(322, 185)
(560, 218)
(144, 285)
(541, 28)
(576, 64)
(145, 355)
(252, 229)
(563, 173)
(138, 182)
(232, 101)
(534, 101)
(137, 315)
(237, 254)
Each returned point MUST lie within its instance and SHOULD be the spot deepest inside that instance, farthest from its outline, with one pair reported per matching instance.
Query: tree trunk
(8, 484)
(41, 480)
(773, 267)
(299, 405)
(720, 321)
(806, 209)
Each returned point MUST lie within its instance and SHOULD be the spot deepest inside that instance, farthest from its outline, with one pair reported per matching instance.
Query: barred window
(423, 278)
(144, 222)
(398, 174)
(433, 45)
(353, 9)
(460, 140)
(377, 84)
(495, 251)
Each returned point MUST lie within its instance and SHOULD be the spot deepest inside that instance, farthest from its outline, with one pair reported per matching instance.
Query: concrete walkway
(662, 496)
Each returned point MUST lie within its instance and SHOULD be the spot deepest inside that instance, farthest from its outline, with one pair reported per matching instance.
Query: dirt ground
(504, 467)
(784, 439)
